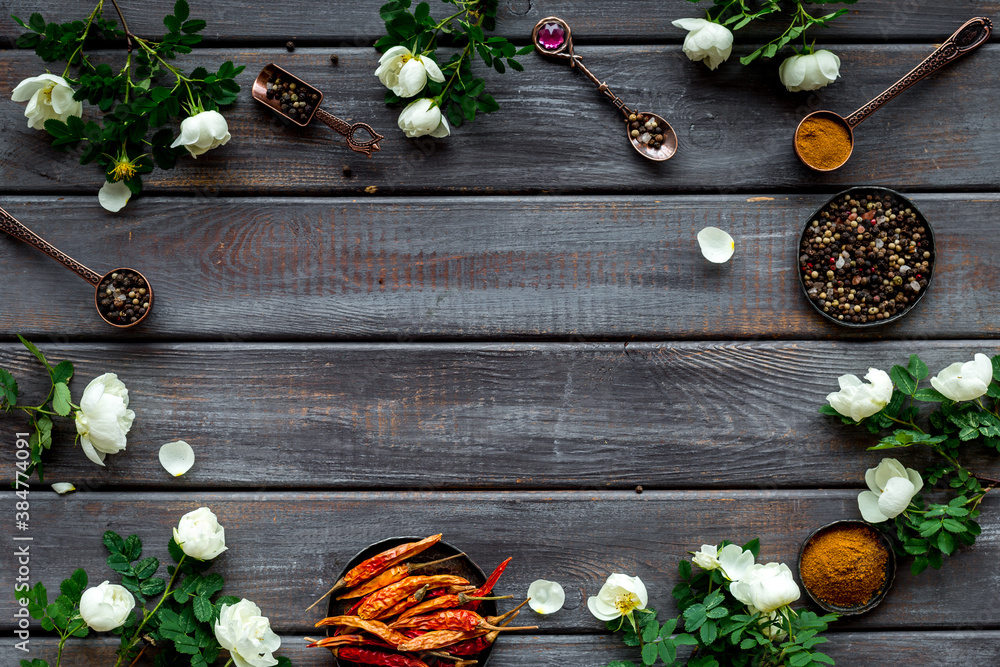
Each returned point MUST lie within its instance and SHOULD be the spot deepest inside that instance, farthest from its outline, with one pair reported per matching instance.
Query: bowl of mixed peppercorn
(866, 257)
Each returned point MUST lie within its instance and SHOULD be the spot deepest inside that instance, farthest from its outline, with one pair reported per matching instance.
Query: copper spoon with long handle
(12, 226)
(973, 34)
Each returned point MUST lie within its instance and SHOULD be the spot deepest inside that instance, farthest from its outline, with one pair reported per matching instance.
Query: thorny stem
(139, 656)
(62, 642)
(86, 31)
(146, 617)
(906, 423)
(458, 64)
(128, 33)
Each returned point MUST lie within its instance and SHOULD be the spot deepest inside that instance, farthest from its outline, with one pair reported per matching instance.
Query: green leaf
(918, 368)
(203, 609)
(903, 380)
(487, 104)
(36, 23)
(181, 10)
(191, 27)
(34, 349)
(61, 400)
(829, 410)
(146, 568)
(946, 542)
(709, 631)
(8, 388)
(175, 550)
(515, 65)
(119, 563)
(929, 395)
(152, 587)
(114, 542)
(133, 548)
(63, 372)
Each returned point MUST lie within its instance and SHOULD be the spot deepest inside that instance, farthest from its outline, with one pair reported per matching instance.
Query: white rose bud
(766, 587)
(706, 41)
(965, 382)
(104, 419)
(707, 558)
(203, 132)
(106, 607)
(247, 635)
(49, 97)
(809, 72)
(406, 74)
(199, 534)
(892, 488)
(857, 399)
(422, 117)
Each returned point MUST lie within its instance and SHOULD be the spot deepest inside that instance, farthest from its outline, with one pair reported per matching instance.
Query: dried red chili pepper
(391, 576)
(382, 600)
(444, 602)
(379, 563)
(492, 580)
(369, 657)
(437, 639)
(479, 644)
(403, 605)
(453, 619)
(380, 630)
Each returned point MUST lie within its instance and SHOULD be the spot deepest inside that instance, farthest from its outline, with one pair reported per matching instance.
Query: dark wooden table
(500, 335)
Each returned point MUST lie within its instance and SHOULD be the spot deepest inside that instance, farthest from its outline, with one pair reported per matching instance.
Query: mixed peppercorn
(123, 297)
(402, 619)
(295, 99)
(645, 130)
(866, 258)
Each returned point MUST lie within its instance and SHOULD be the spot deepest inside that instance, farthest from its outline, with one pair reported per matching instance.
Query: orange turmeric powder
(845, 565)
(823, 143)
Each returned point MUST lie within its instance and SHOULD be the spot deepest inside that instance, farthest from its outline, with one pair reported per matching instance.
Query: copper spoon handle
(577, 61)
(971, 35)
(346, 129)
(22, 233)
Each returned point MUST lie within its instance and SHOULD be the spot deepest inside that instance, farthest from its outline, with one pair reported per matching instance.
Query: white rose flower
(406, 74)
(199, 534)
(203, 132)
(104, 419)
(965, 382)
(707, 558)
(809, 72)
(619, 596)
(114, 196)
(706, 41)
(106, 607)
(735, 562)
(766, 587)
(247, 635)
(49, 97)
(858, 400)
(422, 117)
(892, 488)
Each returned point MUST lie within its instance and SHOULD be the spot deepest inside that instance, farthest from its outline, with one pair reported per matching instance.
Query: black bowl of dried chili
(461, 566)
(866, 257)
(847, 567)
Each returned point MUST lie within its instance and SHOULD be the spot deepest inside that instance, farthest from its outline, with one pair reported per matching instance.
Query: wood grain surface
(284, 549)
(735, 130)
(407, 269)
(408, 416)
(850, 649)
(358, 23)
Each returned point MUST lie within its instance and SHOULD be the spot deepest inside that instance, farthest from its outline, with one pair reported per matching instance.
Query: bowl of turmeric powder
(847, 567)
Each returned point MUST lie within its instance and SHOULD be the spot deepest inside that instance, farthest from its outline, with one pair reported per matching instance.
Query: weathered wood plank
(495, 416)
(557, 134)
(285, 548)
(358, 23)
(918, 649)
(470, 268)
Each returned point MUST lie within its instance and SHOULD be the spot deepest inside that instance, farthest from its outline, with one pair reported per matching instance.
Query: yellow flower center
(123, 170)
(626, 603)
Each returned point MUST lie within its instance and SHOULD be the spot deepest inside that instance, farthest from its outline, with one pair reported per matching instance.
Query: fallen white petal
(63, 487)
(546, 597)
(716, 245)
(176, 457)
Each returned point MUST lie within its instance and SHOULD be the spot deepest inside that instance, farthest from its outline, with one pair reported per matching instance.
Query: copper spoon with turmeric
(819, 124)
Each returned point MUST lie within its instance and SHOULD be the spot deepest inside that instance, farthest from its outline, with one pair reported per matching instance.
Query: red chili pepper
(391, 576)
(437, 639)
(444, 602)
(380, 601)
(479, 644)
(402, 606)
(380, 563)
(458, 619)
(369, 657)
(492, 581)
(380, 630)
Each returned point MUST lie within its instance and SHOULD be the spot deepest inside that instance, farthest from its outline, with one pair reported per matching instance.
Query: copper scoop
(129, 314)
(971, 35)
(261, 93)
(553, 38)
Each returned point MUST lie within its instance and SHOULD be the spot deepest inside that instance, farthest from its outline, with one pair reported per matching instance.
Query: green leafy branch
(462, 95)
(57, 402)
(931, 531)
(131, 137)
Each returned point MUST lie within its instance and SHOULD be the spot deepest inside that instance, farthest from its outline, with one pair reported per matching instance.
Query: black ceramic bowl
(462, 567)
(890, 571)
(856, 192)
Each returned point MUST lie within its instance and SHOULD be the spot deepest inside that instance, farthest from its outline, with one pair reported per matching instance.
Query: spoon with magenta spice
(824, 140)
(648, 133)
(123, 297)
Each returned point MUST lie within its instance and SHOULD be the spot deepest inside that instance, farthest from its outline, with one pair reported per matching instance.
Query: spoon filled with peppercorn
(294, 99)
(649, 133)
(123, 297)
(824, 140)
